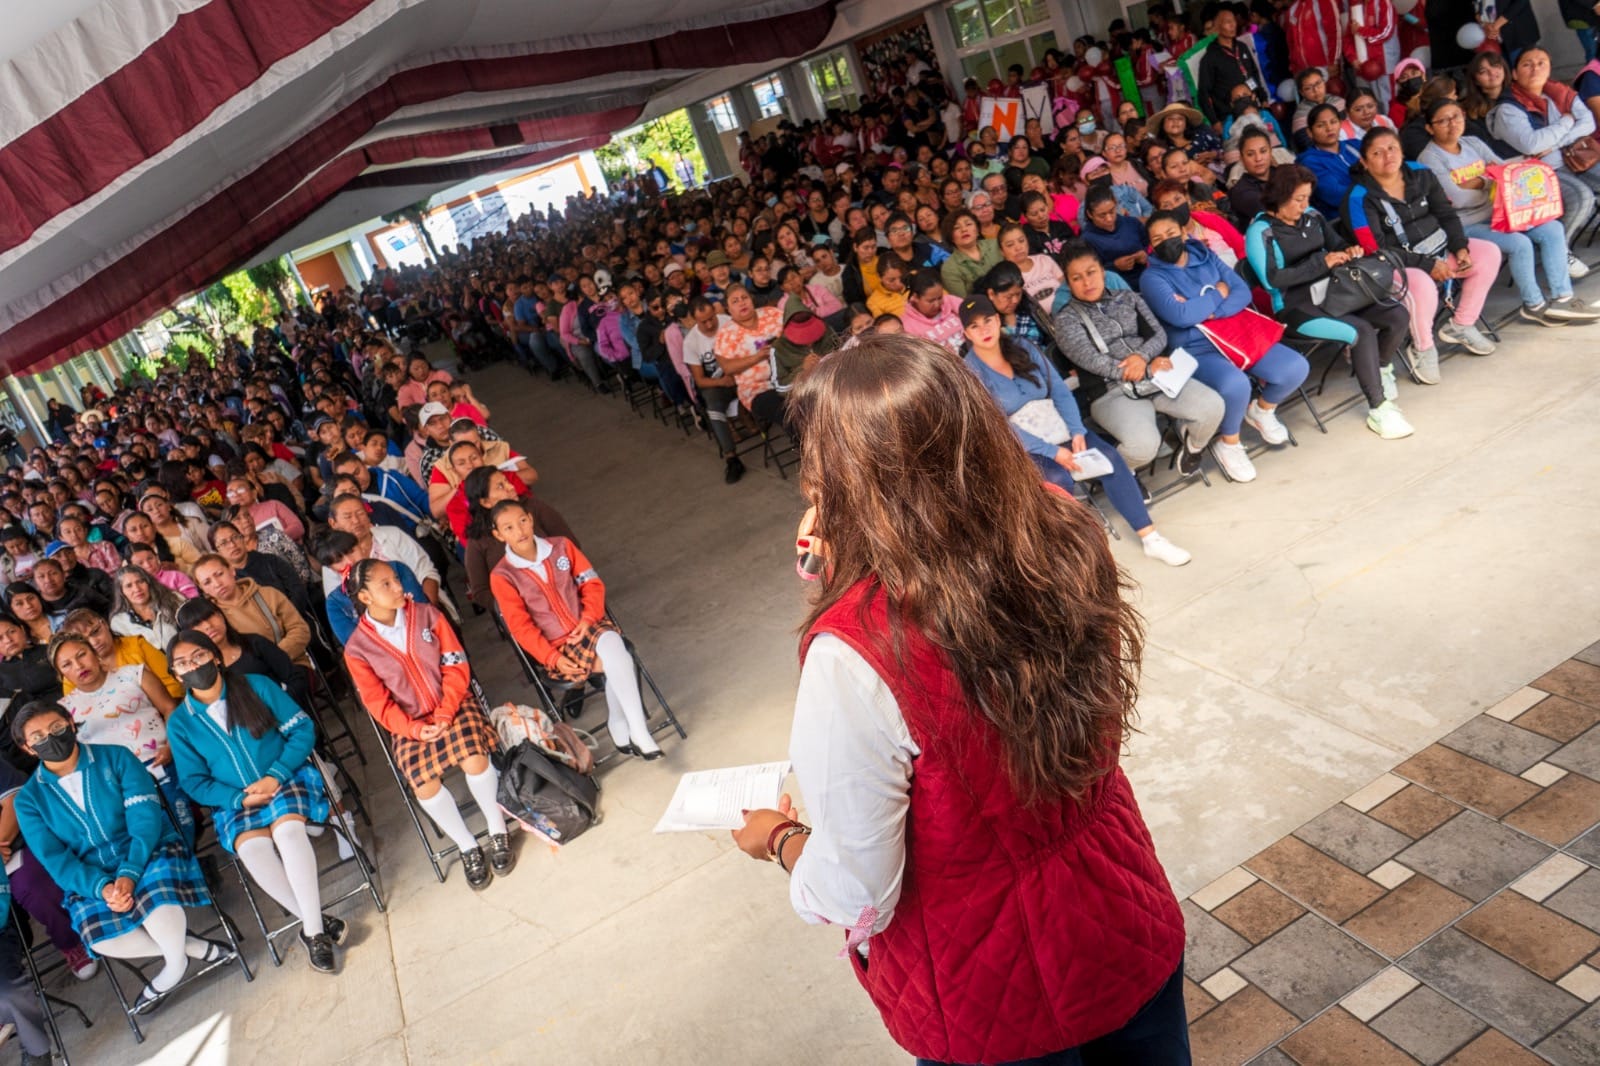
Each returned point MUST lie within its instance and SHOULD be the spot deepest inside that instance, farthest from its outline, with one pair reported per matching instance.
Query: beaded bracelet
(795, 830)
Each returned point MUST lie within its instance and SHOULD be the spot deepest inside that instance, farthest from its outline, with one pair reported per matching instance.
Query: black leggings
(1380, 331)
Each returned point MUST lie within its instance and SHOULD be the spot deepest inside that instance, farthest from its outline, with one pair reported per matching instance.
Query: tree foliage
(654, 142)
(417, 215)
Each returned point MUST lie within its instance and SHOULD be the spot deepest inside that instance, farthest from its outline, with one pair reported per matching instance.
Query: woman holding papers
(969, 672)
(1045, 415)
(1113, 334)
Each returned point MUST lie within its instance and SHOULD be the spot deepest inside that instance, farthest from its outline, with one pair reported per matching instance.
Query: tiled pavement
(1449, 912)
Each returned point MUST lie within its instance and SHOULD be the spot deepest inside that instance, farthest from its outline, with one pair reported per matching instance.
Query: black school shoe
(334, 927)
(501, 857)
(734, 470)
(319, 949)
(476, 869)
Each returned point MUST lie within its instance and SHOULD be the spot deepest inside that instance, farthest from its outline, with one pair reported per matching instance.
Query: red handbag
(1243, 338)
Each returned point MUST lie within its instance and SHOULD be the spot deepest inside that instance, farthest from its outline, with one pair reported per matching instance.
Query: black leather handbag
(1362, 283)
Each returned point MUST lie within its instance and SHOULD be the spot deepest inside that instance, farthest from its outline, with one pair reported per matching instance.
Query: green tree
(417, 215)
(656, 142)
(274, 278)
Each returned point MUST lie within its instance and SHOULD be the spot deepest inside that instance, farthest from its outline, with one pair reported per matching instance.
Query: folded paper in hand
(715, 799)
(1172, 381)
(1092, 463)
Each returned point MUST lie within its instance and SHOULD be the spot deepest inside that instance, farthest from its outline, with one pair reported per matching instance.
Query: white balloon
(1470, 36)
(1287, 91)
(1093, 57)
(1424, 55)
(1075, 84)
(1403, 7)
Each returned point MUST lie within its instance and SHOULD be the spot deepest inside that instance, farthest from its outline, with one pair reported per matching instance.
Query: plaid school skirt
(171, 877)
(584, 649)
(302, 794)
(469, 734)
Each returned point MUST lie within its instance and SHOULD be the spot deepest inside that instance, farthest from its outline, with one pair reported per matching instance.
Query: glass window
(719, 109)
(979, 65)
(1033, 12)
(966, 23)
(830, 74)
(769, 95)
(1002, 17)
(991, 35)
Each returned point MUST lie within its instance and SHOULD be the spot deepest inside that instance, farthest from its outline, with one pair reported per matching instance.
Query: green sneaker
(1387, 422)
(1391, 391)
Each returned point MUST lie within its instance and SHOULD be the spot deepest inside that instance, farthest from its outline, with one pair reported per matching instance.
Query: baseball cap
(842, 167)
(974, 308)
(54, 548)
(671, 269)
(1092, 163)
(430, 411)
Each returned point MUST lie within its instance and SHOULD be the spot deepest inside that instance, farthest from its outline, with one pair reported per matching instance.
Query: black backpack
(546, 795)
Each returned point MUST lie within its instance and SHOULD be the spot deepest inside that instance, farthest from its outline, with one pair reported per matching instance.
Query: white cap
(430, 411)
(671, 269)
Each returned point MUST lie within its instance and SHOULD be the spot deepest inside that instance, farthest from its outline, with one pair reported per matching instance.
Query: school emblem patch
(427, 636)
(563, 563)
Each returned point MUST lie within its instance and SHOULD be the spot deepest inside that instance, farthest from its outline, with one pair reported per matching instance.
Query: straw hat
(1190, 115)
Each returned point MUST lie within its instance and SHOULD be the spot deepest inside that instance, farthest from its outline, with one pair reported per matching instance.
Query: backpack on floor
(516, 722)
(547, 797)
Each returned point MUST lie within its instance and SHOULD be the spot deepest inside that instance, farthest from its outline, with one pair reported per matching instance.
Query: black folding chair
(50, 1006)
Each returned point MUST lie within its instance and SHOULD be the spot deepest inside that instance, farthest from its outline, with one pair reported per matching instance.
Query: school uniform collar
(542, 549)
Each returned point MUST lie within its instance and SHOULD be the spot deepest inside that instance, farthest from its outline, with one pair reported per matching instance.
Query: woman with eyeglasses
(92, 817)
(243, 749)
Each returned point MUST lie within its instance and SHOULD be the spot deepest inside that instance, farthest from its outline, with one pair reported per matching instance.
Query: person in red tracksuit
(554, 605)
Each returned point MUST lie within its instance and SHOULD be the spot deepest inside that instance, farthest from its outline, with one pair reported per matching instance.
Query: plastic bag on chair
(517, 722)
(547, 797)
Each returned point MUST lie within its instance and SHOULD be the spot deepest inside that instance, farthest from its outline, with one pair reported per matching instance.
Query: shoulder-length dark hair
(245, 706)
(476, 487)
(922, 486)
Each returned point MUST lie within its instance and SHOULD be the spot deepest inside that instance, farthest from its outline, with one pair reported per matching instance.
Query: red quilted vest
(1018, 932)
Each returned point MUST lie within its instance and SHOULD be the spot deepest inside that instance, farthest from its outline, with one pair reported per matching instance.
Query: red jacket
(406, 692)
(542, 607)
(1019, 931)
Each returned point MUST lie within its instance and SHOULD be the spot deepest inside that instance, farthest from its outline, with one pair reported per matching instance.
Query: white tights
(625, 709)
(285, 867)
(164, 933)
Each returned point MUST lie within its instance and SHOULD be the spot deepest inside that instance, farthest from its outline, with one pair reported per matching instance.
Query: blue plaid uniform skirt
(302, 794)
(172, 877)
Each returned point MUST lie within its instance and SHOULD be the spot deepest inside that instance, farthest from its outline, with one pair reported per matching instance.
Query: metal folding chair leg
(50, 1006)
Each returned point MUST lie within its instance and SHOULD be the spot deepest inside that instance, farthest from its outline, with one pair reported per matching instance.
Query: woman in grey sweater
(1113, 334)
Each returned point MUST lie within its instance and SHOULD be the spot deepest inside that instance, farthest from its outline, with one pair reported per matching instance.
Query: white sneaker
(1576, 268)
(1387, 422)
(1158, 547)
(1234, 461)
(1265, 421)
(1468, 336)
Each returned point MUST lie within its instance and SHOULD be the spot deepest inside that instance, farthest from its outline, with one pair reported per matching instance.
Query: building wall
(323, 271)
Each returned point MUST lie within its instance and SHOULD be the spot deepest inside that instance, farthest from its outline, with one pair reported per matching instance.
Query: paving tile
(1466, 780)
(1578, 681)
(1583, 982)
(1561, 812)
(1525, 932)
(1196, 1000)
(1580, 900)
(1336, 1038)
(1379, 994)
(1587, 847)
(1369, 796)
(1491, 986)
(1309, 965)
(1223, 888)
(1494, 1048)
(1314, 879)
(1407, 916)
(1232, 1032)
(1416, 812)
(1224, 983)
(1472, 855)
(1391, 874)
(1575, 1044)
(1499, 744)
(1541, 881)
(1210, 945)
(1543, 774)
(1513, 705)
(1351, 837)
(1590, 655)
(1559, 718)
(1427, 1026)
(1272, 1058)
(1258, 912)
(1581, 756)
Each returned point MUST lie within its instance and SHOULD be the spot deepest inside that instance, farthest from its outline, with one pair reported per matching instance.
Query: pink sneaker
(79, 962)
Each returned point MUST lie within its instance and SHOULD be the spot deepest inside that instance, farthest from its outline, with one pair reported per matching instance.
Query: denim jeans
(1157, 1036)
(1577, 200)
(1550, 241)
(1121, 487)
(537, 345)
(1280, 372)
(1586, 39)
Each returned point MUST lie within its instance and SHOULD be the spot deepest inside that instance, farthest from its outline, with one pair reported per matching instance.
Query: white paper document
(1172, 381)
(714, 799)
(1092, 463)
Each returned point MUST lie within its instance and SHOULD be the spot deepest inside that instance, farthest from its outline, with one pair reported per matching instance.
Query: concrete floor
(1356, 602)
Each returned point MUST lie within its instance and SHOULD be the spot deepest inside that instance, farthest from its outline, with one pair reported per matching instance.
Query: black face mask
(1241, 105)
(57, 747)
(201, 677)
(1410, 86)
(1169, 250)
(1182, 215)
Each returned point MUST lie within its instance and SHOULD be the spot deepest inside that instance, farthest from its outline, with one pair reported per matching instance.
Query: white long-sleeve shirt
(852, 753)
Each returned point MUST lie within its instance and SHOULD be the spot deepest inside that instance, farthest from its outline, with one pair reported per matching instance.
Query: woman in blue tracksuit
(1185, 285)
(93, 819)
(242, 747)
(1044, 414)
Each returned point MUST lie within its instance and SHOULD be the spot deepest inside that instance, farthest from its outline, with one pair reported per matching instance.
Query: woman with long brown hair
(969, 673)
